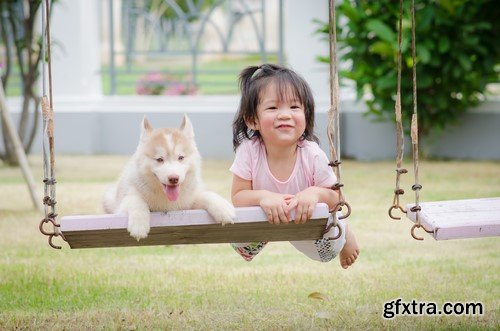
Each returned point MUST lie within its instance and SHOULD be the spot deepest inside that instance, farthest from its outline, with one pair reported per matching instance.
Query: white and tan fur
(163, 157)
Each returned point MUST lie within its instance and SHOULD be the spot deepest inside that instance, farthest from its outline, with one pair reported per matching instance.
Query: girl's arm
(306, 200)
(275, 205)
(326, 195)
(242, 194)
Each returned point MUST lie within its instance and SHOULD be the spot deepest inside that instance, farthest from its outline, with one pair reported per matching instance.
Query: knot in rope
(415, 208)
(399, 191)
(50, 181)
(335, 163)
(337, 186)
(401, 171)
(49, 201)
(416, 187)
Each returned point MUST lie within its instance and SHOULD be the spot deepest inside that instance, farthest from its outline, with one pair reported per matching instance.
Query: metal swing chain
(333, 124)
(49, 180)
(399, 126)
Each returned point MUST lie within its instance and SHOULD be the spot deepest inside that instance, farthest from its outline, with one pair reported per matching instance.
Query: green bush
(457, 50)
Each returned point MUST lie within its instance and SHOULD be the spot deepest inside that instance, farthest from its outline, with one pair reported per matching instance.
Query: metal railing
(177, 40)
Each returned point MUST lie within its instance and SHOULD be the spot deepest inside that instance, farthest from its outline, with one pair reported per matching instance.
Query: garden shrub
(457, 56)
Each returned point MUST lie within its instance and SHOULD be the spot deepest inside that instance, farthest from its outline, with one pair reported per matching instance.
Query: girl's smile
(285, 126)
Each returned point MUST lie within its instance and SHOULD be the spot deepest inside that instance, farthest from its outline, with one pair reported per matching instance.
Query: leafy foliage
(457, 50)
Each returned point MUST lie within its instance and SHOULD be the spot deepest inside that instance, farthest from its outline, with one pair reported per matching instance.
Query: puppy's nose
(173, 180)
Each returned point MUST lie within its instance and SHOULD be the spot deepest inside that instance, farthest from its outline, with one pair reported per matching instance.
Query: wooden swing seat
(457, 219)
(189, 227)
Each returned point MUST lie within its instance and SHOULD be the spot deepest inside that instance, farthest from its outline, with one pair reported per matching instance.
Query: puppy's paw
(222, 211)
(138, 225)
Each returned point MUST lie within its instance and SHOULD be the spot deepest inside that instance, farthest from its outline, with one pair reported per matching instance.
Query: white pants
(323, 250)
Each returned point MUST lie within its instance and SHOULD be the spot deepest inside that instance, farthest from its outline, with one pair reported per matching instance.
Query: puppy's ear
(146, 128)
(186, 127)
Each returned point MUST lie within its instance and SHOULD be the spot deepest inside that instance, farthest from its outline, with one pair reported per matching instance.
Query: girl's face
(280, 123)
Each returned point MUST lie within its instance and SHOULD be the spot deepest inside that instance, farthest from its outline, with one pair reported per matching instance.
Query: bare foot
(350, 252)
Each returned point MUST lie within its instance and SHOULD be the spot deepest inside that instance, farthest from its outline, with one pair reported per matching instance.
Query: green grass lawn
(210, 287)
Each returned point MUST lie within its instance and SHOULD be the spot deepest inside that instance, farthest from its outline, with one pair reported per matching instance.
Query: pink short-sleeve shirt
(311, 168)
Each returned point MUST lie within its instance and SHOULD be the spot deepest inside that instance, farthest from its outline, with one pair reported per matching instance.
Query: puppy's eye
(159, 160)
(181, 157)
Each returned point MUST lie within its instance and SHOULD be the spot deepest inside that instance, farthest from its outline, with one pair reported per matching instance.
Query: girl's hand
(304, 203)
(275, 205)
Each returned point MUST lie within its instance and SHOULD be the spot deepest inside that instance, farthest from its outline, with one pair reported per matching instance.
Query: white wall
(111, 125)
(303, 44)
(76, 48)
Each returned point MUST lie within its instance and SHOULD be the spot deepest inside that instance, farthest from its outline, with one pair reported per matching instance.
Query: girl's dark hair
(253, 80)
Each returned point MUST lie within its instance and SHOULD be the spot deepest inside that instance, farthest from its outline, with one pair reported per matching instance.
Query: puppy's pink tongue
(172, 192)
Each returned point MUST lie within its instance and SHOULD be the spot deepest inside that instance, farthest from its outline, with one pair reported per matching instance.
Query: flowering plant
(155, 83)
(152, 83)
(181, 89)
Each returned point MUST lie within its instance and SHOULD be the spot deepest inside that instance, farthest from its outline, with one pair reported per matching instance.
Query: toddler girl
(279, 165)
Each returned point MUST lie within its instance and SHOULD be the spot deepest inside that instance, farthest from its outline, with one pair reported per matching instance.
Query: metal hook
(51, 243)
(52, 234)
(348, 210)
(338, 207)
(415, 226)
(338, 235)
(396, 207)
(44, 221)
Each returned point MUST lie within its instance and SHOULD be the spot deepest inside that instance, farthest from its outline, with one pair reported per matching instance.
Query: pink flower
(156, 83)
(154, 77)
(141, 90)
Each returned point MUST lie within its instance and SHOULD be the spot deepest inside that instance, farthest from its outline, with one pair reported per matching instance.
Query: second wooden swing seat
(456, 219)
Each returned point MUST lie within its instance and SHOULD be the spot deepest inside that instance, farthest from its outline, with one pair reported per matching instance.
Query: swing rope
(333, 129)
(399, 127)
(49, 180)
(414, 133)
(414, 128)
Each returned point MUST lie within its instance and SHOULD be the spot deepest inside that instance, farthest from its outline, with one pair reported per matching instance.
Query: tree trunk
(18, 35)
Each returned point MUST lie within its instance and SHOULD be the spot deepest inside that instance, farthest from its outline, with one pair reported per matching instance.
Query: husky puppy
(163, 175)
